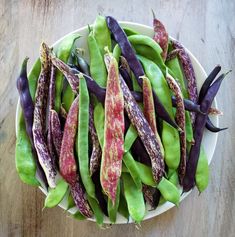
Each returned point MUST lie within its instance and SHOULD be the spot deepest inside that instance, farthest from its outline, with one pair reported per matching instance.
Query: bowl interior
(209, 139)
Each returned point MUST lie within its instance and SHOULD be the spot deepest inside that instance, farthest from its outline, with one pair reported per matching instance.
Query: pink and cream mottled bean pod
(113, 148)
(142, 126)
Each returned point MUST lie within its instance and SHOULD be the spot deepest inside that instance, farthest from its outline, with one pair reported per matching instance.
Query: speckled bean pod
(96, 149)
(56, 131)
(180, 120)
(80, 200)
(44, 156)
(188, 72)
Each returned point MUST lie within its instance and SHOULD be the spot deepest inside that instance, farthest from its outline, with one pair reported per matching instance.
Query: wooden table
(207, 28)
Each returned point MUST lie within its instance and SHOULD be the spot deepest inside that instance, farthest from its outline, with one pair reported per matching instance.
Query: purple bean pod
(26, 101)
(207, 83)
(129, 53)
(28, 111)
(189, 179)
(211, 127)
(44, 157)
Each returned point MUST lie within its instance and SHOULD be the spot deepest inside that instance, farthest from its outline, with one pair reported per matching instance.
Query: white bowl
(209, 139)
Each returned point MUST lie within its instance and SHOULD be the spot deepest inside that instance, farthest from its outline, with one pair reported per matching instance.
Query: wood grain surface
(207, 28)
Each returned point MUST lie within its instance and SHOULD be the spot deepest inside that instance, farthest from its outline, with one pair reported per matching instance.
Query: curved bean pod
(54, 195)
(189, 73)
(44, 157)
(134, 198)
(207, 82)
(180, 119)
(68, 168)
(189, 179)
(149, 110)
(63, 53)
(80, 200)
(211, 127)
(202, 172)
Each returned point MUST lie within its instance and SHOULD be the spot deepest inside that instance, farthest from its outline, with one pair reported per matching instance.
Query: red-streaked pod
(39, 125)
(96, 149)
(67, 163)
(188, 72)
(80, 200)
(56, 131)
(180, 120)
(142, 126)
(149, 109)
(160, 36)
(113, 148)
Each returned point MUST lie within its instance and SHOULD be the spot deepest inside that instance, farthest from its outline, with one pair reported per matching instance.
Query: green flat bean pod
(78, 216)
(83, 129)
(134, 198)
(130, 137)
(67, 97)
(97, 66)
(24, 157)
(102, 34)
(56, 195)
(70, 201)
(169, 135)
(130, 31)
(24, 160)
(169, 191)
(99, 216)
(202, 172)
(123, 209)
